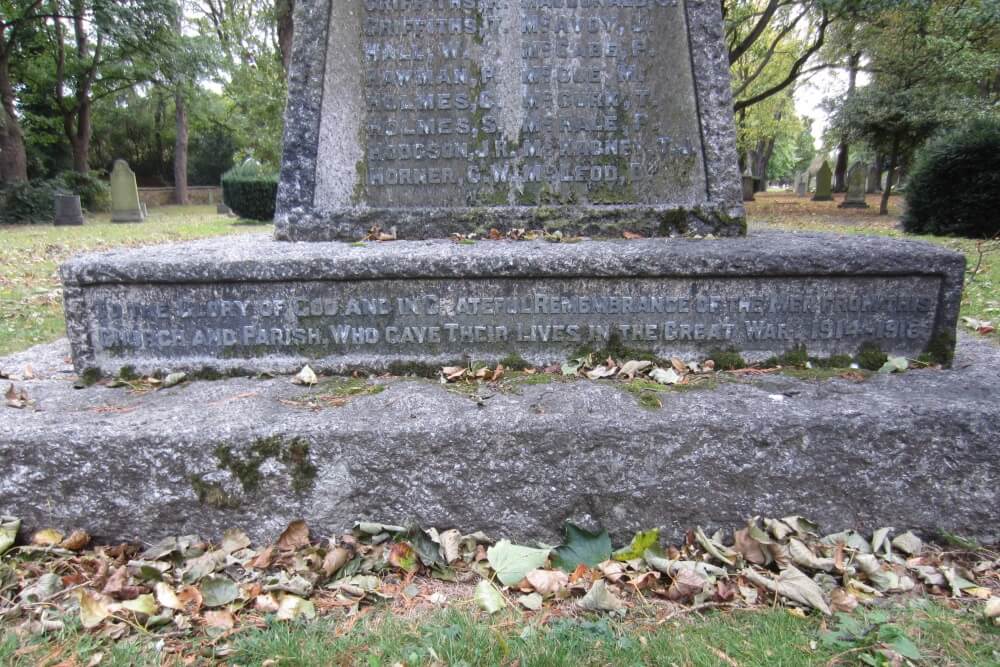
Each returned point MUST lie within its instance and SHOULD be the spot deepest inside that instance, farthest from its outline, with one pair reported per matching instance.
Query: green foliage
(874, 638)
(250, 191)
(30, 203)
(954, 188)
(871, 357)
(95, 194)
(582, 547)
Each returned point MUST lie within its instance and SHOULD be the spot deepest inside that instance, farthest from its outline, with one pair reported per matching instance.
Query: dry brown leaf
(751, 550)
(76, 541)
(263, 559)
(335, 559)
(48, 537)
(221, 619)
(841, 600)
(190, 597)
(547, 582)
(295, 537)
(679, 365)
(116, 582)
(686, 584)
(632, 236)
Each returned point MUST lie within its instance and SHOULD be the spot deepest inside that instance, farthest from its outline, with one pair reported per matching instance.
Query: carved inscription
(525, 102)
(542, 319)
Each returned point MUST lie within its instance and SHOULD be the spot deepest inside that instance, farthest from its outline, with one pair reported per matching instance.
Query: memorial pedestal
(252, 304)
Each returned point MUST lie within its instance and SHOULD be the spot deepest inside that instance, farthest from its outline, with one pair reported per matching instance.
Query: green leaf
(582, 547)
(895, 365)
(8, 532)
(292, 607)
(489, 598)
(644, 539)
(512, 562)
(219, 591)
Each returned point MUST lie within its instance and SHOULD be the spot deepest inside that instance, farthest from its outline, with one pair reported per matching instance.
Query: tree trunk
(893, 160)
(81, 142)
(764, 154)
(181, 150)
(844, 152)
(284, 10)
(875, 175)
(13, 157)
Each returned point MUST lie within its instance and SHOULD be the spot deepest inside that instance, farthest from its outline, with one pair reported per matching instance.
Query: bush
(31, 203)
(250, 191)
(954, 189)
(95, 194)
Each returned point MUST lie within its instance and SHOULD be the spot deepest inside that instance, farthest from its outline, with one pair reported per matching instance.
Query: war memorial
(472, 181)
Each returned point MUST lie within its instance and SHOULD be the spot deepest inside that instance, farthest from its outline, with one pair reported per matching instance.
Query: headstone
(748, 187)
(125, 205)
(510, 120)
(446, 117)
(68, 210)
(857, 180)
(824, 183)
(802, 185)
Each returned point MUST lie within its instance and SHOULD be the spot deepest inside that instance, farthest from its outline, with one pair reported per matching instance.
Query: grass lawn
(461, 636)
(30, 292)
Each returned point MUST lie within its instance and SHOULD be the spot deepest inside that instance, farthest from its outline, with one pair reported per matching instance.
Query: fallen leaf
(144, 605)
(751, 549)
(548, 582)
(402, 556)
(532, 602)
(512, 562)
(632, 236)
(992, 609)
(93, 609)
(599, 598)
(843, 601)
(582, 547)
(218, 591)
(220, 619)
(602, 372)
(306, 377)
(668, 376)
(908, 543)
(166, 597)
(295, 537)
(16, 399)
(686, 584)
(451, 545)
(190, 597)
(9, 526)
(794, 585)
(76, 541)
(641, 541)
(173, 380)
(632, 368)
(895, 365)
(292, 607)
(48, 537)
(489, 598)
(234, 540)
(335, 559)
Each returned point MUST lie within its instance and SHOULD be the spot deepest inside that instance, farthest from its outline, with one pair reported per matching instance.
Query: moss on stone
(245, 466)
(646, 393)
(941, 349)
(90, 376)
(675, 221)
(417, 368)
(727, 360)
(871, 357)
(212, 494)
(128, 374)
(797, 357)
(515, 362)
(617, 350)
(533, 379)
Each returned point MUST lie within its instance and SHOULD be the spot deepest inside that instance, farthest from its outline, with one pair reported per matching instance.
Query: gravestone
(802, 185)
(543, 121)
(824, 183)
(68, 210)
(857, 181)
(748, 186)
(433, 119)
(446, 117)
(125, 205)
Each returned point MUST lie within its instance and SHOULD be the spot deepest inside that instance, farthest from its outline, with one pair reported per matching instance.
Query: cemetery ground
(410, 618)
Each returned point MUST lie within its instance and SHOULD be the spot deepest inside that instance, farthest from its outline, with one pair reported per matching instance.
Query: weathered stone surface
(824, 183)
(438, 118)
(125, 204)
(857, 181)
(802, 185)
(252, 304)
(918, 450)
(68, 210)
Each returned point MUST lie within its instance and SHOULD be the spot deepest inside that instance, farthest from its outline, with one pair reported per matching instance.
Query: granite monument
(68, 210)
(125, 205)
(857, 181)
(824, 183)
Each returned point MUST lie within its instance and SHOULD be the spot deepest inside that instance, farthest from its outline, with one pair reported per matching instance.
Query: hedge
(250, 191)
(954, 188)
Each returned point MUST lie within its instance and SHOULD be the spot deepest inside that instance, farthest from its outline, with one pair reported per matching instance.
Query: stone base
(917, 450)
(354, 224)
(830, 198)
(250, 304)
(127, 216)
(854, 204)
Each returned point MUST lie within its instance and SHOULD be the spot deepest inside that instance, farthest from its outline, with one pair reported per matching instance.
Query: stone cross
(824, 183)
(857, 180)
(125, 206)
